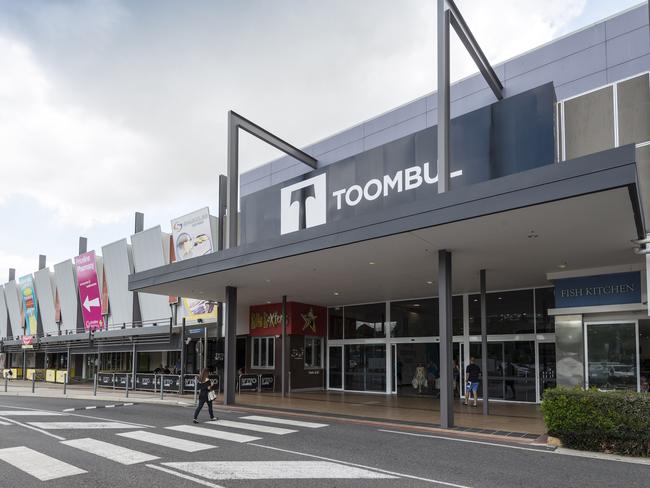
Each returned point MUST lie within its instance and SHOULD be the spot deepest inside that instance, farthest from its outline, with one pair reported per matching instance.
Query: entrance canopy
(581, 213)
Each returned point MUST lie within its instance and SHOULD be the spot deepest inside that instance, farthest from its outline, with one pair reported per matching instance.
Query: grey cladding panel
(589, 123)
(65, 278)
(117, 267)
(634, 110)
(4, 315)
(12, 296)
(148, 253)
(569, 350)
(44, 283)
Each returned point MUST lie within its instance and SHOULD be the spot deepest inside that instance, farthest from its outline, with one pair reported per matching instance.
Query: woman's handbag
(212, 396)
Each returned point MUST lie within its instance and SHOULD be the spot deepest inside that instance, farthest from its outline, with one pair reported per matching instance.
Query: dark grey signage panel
(509, 136)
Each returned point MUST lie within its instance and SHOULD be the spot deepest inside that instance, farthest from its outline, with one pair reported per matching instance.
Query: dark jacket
(203, 389)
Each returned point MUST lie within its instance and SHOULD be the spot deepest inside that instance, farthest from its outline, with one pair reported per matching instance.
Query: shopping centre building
(349, 276)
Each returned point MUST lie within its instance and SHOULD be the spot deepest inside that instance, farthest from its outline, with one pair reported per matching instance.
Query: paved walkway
(504, 418)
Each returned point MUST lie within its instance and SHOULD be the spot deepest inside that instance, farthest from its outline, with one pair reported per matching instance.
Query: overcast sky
(108, 106)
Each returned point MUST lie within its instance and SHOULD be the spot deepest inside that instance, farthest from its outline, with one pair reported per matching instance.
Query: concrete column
(230, 364)
(486, 406)
(446, 339)
(284, 347)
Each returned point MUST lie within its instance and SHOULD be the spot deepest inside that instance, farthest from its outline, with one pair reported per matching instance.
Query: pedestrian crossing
(168, 440)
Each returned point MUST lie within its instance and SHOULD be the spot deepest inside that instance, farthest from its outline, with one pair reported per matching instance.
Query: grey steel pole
(162, 387)
(233, 181)
(195, 391)
(283, 370)
(484, 382)
(182, 356)
(6, 383)
(33, 381)
(95, 385)
(126, 377)
(205, 346)
(65, 384)
(446, 338)
(230, 369)
(443, 96)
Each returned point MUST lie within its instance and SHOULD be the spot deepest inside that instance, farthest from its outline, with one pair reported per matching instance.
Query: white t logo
(303, 205)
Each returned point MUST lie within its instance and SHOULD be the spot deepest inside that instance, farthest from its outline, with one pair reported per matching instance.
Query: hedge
(592, 420)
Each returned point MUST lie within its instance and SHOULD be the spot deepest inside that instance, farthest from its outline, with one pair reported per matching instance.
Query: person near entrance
(206, 394)
(473, 374)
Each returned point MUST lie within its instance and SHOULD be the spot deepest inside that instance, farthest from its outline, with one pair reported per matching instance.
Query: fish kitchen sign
(89, 291)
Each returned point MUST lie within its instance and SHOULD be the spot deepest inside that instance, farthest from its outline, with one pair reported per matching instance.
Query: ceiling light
(336, 293)
(562, 266)
(371, 263)
(476, 299)
(268, 280)
(268, 301)
(500, 298)
(429, 282)
(416, 304)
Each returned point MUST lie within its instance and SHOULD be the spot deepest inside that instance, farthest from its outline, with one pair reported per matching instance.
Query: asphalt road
(43, 445)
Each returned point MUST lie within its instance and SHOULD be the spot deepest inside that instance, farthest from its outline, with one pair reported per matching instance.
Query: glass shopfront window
(335, 323)
(365, 321)
(420, 318)
(365, 367)
(544, 299)
(611, 355)
(508, 312)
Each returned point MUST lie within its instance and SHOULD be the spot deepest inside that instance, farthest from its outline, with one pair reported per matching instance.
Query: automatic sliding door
(335, 367)
(365, 367)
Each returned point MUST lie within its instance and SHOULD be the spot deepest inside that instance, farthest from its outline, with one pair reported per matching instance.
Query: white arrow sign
(91, 303)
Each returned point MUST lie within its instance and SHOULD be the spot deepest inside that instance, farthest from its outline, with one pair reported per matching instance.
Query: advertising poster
(200, 309)
(89, 291)
(30, 305)
(192, 235)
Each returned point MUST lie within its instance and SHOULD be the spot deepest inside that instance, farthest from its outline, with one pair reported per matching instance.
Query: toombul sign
(89, 292)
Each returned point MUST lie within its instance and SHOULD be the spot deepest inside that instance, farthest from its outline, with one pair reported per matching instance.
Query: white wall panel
(44, 283)
(65, 279)
(118, 265)
(14, 305)
(150, 251)
(4, 317)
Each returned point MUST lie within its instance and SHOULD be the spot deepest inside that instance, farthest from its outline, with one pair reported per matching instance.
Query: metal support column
(283, 339)
(67, 367)
(233, 184)
(446, 338)
(182, 372)
(486, 406)
(230, 364)
(205, 346)
(134, 366)
(443, 97)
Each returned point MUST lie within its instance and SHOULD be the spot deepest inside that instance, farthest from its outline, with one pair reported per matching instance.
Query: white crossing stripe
(4, 423)
(267, 470)
(167, 441)
(27, 413)
(216, 434)
(80, 425)
(254, 427)
(295, 423)
(38, 465)
(183, 476)
(106, 450)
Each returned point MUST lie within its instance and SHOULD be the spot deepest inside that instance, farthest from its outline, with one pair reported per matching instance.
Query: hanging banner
(89, 292)
(192, 235)
(30, 305)
(200, 309)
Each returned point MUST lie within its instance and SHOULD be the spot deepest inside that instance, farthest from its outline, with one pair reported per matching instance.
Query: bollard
(127, 386)
(33, 381)
(155, 379)
(195, 391)
(95, 386)
(113, 381)
(65, 384)
(6, 382)
(289, 389)
(162, 389)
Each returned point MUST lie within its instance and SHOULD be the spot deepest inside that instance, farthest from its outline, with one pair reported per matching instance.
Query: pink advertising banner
(89, 291)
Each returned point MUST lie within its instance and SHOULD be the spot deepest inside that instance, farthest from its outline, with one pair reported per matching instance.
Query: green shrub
(615, 422)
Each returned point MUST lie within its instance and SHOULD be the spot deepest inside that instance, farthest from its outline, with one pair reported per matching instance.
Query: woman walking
(206, 394)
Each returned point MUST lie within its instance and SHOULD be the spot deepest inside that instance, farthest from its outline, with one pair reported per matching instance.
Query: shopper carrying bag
(206, 394)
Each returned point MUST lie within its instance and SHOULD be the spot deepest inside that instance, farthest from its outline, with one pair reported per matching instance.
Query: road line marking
(274, 470)
(393, 473)
(217, 434)
(27, 413)
(601, 456)
(470, 441)
(15, 422)
(69, 410)
(184, 476)
(91, 408)
(128, 404)
(4, 423)
(273, 420)
(38, 465)
(139, 426)
(106, 450)
(254, 427)
(166, 440)
(80, 425)
(110, 406)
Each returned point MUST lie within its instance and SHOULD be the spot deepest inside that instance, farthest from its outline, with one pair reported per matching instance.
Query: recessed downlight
(429, 282)
(371, 263)
(336, 293)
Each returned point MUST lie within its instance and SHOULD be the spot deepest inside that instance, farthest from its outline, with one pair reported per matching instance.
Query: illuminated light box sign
(590, 291)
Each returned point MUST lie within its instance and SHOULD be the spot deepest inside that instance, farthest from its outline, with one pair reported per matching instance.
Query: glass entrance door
(365, 367)
(335, 367)
(611, 350)
(546, 352)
